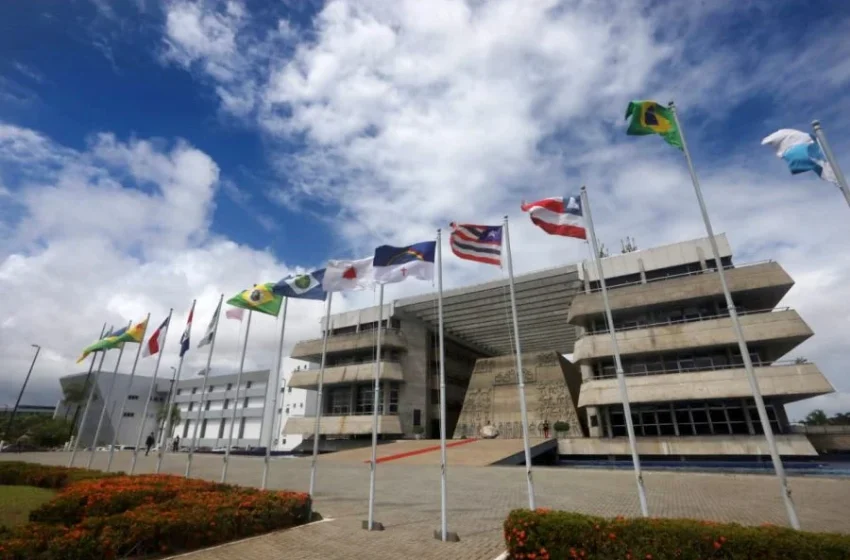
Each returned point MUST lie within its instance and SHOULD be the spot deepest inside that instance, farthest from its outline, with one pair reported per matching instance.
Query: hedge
(555, 535)
(138, 516)
(18, 473)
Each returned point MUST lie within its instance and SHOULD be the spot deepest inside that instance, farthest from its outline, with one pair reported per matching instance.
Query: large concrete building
(687, 387)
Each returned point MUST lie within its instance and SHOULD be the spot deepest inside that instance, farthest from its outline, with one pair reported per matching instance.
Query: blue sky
(180, 148)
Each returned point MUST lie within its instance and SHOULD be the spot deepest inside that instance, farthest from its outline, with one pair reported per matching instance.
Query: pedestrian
(149, 443)
(546, 429)
(176, 445)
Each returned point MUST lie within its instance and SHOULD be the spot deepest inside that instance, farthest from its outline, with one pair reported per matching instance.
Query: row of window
(672, 271)
(339, 400)
(678, 362)
(221, 426)
(211, 388)
(662, 315)
(364, 327)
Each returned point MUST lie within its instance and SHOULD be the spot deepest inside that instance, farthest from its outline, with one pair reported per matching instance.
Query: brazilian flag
(259, 298)
(648, 117)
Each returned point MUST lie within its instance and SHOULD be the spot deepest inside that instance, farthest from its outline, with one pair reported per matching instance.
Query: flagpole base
(451, 536)
(376, 526)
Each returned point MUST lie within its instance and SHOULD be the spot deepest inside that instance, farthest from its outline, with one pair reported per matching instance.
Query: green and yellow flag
(259, 298)
(648, 117)
(115, 339)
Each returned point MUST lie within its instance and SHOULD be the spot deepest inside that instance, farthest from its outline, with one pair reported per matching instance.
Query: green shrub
(561, 426)
(556, 535)
(16, 473)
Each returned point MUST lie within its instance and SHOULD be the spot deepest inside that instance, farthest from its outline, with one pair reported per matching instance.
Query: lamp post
(23, 388)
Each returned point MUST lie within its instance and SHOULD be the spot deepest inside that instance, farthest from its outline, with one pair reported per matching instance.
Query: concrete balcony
(778, 331)
(311, 350)
(339, 375)
(342, 425)
(764, 285)
(793, 445)
(788, 382)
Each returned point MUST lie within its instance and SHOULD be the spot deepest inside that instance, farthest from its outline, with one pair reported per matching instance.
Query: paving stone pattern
(408, 503)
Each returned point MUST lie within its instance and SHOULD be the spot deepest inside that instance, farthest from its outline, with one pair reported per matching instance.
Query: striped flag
(156, 341)
(558, 216)
(477, 243)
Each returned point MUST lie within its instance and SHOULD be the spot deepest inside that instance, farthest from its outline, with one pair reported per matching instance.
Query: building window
(179, 391)
(212, 388)
(287, 410)
(229, 386)
(248, 385)
(393, 398)
(340, 401)
(241, 429)
(366, 400)
(245, 403)
(207, 405)
(221, 429)
(204, 428)
(132, 397)
(129, 414)
(417, 417)
(289, 389)
(226, 404)
(191, 406)
(435, 396)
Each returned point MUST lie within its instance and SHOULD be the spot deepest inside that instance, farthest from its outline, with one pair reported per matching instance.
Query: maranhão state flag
(157, 340)
(348, 275)
(558, 216)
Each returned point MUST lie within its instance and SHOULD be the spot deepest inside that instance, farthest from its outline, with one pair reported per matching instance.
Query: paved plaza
(408, 502)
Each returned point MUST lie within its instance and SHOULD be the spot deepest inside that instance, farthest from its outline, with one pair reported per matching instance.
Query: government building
(687, 387)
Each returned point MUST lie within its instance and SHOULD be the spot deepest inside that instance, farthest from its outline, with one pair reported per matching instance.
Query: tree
(73, 394)
(603, 251)
(173, 421)
(50, 432)
(628, 245)
(816, 418)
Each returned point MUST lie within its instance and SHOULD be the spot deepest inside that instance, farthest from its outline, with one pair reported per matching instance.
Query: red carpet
(420, 451)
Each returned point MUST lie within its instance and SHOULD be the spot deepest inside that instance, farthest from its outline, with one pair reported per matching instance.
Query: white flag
(211, 327)
(344, 276)
(235, 313)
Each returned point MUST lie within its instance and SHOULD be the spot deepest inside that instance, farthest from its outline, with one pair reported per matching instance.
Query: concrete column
(747, 417)
(642, 271)
(701, 256)
(352, 399)
(710, 422)
(675, 423)
(781, 417)
(586, 279)
(608, 422)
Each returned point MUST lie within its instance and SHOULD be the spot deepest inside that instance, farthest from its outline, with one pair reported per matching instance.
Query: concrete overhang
(763, 284)
(342, 425)
(481, 315)
(790, 382)
(311, 350)
(786, 444)
(781, 330)
(340, 375)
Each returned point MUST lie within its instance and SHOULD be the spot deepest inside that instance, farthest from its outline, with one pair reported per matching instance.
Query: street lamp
(23, 388)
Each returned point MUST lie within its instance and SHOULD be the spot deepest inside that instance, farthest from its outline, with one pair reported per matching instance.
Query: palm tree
(174, 419)
(816, 418)
(74, 394)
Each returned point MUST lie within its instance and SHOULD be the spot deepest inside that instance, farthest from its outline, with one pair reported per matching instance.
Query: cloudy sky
(153, 152)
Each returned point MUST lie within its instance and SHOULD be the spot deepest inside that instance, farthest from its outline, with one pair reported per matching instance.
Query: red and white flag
(235, 313)
(157, 340)
(344, 276)
(558, 216)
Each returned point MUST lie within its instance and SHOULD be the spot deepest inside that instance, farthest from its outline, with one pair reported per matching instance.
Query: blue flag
(303, 286)
(801, 152)
(395, 264)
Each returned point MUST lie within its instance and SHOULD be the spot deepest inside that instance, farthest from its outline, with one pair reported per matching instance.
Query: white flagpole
(371, 524)
(317, 425)
(166, 432)
(105, 402)
(827, 151)
(519, 373)
(202, 410)
(236, 402)
(444, 531)
(126, 394)
(278, 375)
(621, 377)
(150, 394)
(739, 333)
(88, 399)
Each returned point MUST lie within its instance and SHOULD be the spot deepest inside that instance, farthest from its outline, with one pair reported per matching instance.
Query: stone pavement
(408, 503)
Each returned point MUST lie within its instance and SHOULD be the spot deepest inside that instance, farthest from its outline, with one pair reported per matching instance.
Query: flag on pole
(801, 152)
(208, 336)
(477, 243)
(648, 117)
(558, 216)
(347, 275)
(259, 298)
(135, 334)
(396, 264)
(236, 313)
(304, 286)
(184, 338)
(107, 342)
(156, 341)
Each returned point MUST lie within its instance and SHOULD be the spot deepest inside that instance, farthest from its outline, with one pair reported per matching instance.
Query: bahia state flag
(801, 152)
(259, 298)
(303, 286)
(396, 264)
(649, 117)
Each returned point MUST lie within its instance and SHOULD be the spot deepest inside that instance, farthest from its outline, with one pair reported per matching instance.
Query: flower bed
(17, 473)
(548, 535)
(131, 517)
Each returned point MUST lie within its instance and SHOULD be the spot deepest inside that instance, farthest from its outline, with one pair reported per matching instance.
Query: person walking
(149, 443)
(546, 429)
(176, 445)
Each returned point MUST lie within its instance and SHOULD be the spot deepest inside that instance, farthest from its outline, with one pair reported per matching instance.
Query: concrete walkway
(408, 503)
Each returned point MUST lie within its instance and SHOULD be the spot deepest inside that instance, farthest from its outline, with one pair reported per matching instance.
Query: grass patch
(16, 503)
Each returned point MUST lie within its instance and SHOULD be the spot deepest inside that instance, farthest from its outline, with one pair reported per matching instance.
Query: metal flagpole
(444, 534)
(236, 403)
(317, 425)
(85, 384)
(105, 403)
(827, 151)
(371, 524)
(739, 333)
(88, 405)
(519, 373)
(201, 412)
(126, 394)
(275, 397)
(23, 388)
(150, 394)
(621, 377)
